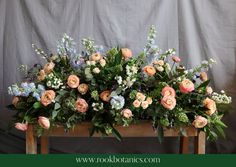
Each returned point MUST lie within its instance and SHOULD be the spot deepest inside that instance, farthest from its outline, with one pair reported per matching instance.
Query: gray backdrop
(198, 29)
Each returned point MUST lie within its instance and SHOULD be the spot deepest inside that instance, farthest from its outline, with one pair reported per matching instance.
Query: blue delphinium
(117, 102)
(26, 89)
(151, 50)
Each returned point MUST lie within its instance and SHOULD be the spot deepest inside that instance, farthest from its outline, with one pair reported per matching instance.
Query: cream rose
(136, 103)
(209, 90)
(210, 105)
(47, 97)
(102, 62)
(168, 91)
(186, 86)
(149, 70)
(21, 126)
(73, 81)
(144, 104)
(105, 95)
(168, 102)
(159, 62)
(149, 100)
(81, 105)
(140, 96)
(127, 113)
(126, 53)
(44, 122)
(199, 122)
(48, 67)
(83, 88)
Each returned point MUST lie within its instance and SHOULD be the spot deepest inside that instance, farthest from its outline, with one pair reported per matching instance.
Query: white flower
(117, 102)
(222, 91)
(96, 70)
(119, 79)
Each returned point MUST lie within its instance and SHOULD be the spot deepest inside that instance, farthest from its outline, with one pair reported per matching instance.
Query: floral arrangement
(114, 87)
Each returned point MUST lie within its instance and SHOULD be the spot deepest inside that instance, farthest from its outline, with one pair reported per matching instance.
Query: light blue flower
(117, 102)
(31, 85)
(36, 95)
(41, 88)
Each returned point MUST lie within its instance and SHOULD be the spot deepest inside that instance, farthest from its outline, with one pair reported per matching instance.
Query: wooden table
(143, 129)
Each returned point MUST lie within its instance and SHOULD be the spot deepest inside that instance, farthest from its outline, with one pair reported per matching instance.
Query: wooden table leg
(184, 145)
(31, 141)
(44, 145)
(200, 143)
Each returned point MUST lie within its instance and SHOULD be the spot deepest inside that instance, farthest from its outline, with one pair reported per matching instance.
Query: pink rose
(149, 100)
(81, 105)
(168, 102)
(73, 81)
(210, 105)
(21, 126)
(47, 97)
(127, 113)
(168, 91)
(176, 59)
(44, 122)
(126, 53)
(199, 122)
(186, 86)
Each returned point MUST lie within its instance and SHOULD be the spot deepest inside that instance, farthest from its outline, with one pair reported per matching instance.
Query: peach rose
(149, 100)
(144, 104)
(168, 102)
(15, 100)
(209, 90)
(176, 59)
(203, 76)
(140, 96)
(83, 88)
(81, 105)
(48, 67)
(186, 86)
(102, 62)
(160, 68)
(21, 126)
(95, 57)
(44, 122)
(199, 122)
(149, 70)
(105, 95)
(168, 91)
(47, 97)
(159, 62)
(210, 105)
(41, 75)
(136, 103)
(73, 81)
(126, 53)
(127, 113)
(96, 70)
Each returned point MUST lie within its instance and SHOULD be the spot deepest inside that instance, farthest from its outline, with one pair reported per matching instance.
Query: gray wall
(198, 29)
